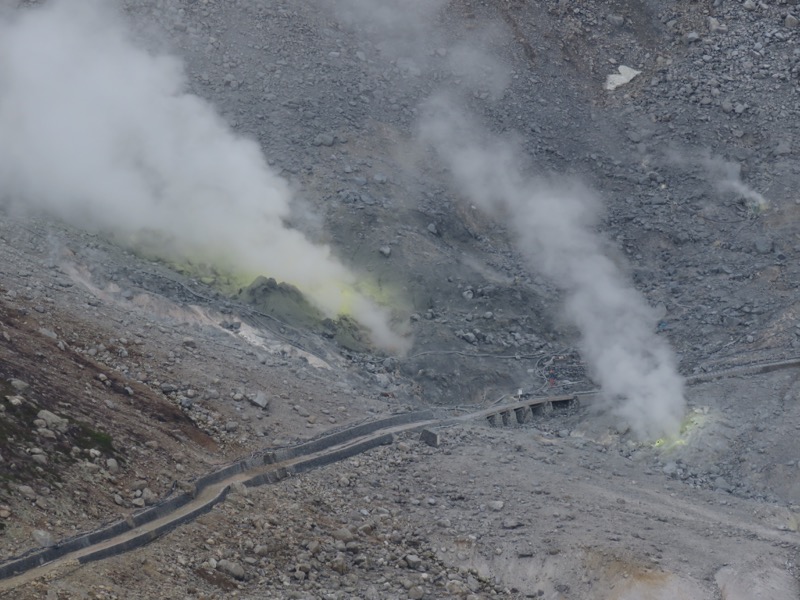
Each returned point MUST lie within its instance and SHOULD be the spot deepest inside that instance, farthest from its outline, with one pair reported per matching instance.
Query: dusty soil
(151, 377)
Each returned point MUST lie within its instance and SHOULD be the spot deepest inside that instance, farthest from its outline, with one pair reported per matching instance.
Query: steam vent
(419, 300)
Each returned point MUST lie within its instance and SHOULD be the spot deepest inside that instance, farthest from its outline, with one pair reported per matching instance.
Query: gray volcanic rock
(123, 378)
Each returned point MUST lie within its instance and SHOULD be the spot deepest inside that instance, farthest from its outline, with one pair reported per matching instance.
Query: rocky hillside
(123, 376)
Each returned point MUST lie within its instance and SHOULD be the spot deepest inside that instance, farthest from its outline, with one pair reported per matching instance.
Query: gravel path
(123, 376)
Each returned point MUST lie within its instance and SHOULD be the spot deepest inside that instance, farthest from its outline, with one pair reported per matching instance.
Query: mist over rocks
(553, 222)
(111, 140)
(544, 107)
(660, 149)
(602, 512)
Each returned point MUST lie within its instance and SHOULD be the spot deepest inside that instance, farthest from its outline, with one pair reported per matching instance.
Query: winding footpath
(259, 469)
(274, 465)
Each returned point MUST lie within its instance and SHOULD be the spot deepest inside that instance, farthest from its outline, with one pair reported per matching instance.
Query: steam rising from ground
(553, 223)
(554, 227)
(727, 177)
(724, 175)
(102, 133)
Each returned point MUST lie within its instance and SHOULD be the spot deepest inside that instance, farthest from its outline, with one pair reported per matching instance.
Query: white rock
(625, 75)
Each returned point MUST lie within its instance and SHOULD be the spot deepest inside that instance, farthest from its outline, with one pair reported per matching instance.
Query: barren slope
(153, 377)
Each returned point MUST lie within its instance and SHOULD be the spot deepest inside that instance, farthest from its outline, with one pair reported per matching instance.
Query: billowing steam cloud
(101, 132)
(553, 224)
(554, 228)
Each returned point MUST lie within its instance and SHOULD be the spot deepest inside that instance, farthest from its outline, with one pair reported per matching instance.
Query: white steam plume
(727, 177)
(102, 133)
(724, 175)
(554, 227)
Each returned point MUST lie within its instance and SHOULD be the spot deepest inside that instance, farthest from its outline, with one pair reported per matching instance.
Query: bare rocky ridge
(121, 379)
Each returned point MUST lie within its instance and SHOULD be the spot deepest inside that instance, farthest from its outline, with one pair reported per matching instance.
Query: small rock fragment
(233, 569)
(260, 400)
(239, 489)
(53, 421)
(27, 492)
(430, 437)
(714, 25)
(343, 535)
(19, 385)
(148, 496)
(43, 538)
(511, 523)
(783, 148)
(324, 139)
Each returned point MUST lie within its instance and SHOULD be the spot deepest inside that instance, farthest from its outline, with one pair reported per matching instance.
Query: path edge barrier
(39, 557)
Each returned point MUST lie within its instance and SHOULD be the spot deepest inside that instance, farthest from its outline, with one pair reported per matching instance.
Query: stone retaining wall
(35, 558)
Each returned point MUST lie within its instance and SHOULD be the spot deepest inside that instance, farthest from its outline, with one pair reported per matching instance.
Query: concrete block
(523, 415)
(431, 438)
